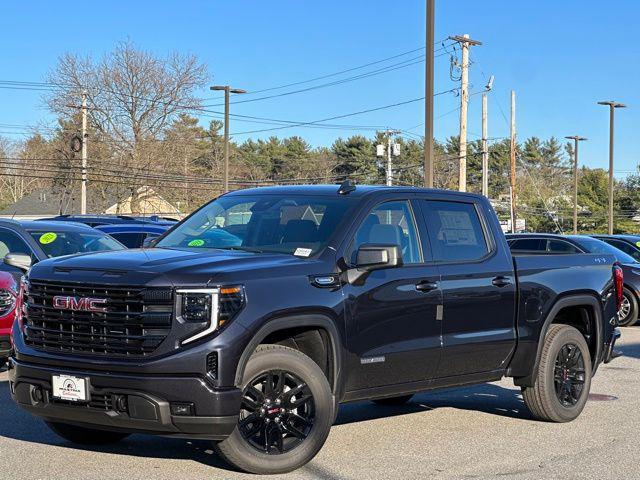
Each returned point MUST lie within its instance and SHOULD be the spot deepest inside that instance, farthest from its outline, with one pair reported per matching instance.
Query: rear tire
(86, 436)
(393, 401)
(630, 305)
(562, 384)
(277, 432)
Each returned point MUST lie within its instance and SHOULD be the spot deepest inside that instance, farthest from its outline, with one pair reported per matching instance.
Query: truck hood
(166, 267)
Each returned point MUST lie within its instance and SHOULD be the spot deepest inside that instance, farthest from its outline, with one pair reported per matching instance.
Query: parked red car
(8, 297)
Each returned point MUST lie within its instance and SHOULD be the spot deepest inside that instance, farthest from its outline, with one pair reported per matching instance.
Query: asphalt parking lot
(478, 432)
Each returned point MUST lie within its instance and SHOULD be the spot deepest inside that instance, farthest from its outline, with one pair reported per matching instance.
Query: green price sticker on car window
(47, 238)
(637, 244)
(198, 242)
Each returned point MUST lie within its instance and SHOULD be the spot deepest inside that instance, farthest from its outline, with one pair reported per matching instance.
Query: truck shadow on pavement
(488, 398)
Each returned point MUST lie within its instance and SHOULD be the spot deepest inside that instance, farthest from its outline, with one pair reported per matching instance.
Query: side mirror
(377, 256)
(18, 260)
(372, 257)
(149, 241)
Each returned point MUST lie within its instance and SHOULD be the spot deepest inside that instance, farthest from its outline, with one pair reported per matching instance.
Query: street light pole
(576, 139)
(227, 93)
(612, 106)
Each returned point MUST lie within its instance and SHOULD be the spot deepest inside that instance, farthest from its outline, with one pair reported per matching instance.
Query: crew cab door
(393, 336)
(478, 285)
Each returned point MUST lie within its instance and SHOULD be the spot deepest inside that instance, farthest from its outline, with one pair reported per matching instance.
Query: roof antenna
(346, 187)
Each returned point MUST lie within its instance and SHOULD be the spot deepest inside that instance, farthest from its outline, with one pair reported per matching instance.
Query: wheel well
(632, 291)
(582, 319)
(312, 341)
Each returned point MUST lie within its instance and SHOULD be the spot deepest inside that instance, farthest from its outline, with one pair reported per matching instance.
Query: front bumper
(147, 406)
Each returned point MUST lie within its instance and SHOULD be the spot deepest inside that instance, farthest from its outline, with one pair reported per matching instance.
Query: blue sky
(559, 57)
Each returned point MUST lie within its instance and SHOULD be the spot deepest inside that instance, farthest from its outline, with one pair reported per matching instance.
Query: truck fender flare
(569, 301)
(293, 321)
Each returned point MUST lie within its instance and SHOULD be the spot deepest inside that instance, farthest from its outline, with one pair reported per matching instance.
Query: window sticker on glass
(198, 242)
(302, 252)
(457, 228)
(637, 244)
(47, 238)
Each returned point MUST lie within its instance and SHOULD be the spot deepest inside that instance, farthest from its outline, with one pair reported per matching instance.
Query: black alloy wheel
(569, 375)
(278, 412)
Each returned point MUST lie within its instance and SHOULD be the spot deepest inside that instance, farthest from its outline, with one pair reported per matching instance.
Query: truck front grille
(134, 322)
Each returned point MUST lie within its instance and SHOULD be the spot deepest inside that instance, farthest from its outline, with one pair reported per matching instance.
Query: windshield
(298, 225)
(57, 244)
(593, 245)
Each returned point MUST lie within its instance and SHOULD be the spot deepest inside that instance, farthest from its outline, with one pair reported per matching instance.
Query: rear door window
(455, 231)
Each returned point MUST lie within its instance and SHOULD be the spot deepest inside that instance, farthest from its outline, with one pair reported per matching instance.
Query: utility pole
(83, 191)
(227, 93)
(485, 148)
(512, 188)
(576, 139)
(465, 42)
(428, 96)
(612, 106)
(393, 150)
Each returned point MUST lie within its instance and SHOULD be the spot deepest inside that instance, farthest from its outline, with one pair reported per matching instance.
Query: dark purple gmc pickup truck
(250, 321)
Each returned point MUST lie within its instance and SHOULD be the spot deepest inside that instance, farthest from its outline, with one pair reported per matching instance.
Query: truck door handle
(426, 286)
(501, 281)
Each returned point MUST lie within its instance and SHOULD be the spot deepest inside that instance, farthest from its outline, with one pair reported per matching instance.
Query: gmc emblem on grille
(84, 304)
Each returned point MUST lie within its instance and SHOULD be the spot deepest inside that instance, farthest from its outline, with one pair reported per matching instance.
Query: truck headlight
(210, 306)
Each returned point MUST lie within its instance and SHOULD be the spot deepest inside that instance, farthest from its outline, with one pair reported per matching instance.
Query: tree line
(147, 127)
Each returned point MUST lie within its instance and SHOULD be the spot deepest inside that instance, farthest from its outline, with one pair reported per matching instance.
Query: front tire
(85, 436)
(286, 414)
(628, 314)
(562, 384)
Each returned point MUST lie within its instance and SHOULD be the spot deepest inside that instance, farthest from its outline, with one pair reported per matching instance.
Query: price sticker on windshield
(198, 242)
(47, 238)
(302, 252)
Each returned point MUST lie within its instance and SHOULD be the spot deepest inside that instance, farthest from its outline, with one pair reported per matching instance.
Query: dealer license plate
(66, 387)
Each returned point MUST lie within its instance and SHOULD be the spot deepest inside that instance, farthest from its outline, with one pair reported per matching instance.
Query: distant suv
(629, 244)
(256, 316)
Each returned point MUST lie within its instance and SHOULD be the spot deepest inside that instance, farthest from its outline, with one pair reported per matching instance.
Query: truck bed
(543, 279)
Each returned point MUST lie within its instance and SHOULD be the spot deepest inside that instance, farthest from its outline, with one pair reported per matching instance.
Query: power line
(341, 72)
(384, 107)
(389, 68)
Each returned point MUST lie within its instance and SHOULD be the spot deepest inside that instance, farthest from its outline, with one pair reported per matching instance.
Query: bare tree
(21, 169)
(132, 96)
